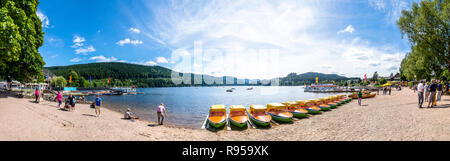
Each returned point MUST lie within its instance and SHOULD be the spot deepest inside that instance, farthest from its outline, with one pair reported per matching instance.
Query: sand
(383, 118)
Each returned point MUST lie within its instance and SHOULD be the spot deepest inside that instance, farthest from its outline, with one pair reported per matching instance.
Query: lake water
(188, 106)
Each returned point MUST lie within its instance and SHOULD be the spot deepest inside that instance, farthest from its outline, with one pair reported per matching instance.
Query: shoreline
(383, 118)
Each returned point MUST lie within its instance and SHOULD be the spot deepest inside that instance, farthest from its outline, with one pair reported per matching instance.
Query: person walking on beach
(420, 93)
(59, 99)
(439, 91)
(98, 104)
(432, 88)
(160, 111)
(390, 90)
(359, 98)
(36, 94)
(426, 91)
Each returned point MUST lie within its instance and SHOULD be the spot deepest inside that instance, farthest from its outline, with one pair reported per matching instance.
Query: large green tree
(21, 36)
(427, 27)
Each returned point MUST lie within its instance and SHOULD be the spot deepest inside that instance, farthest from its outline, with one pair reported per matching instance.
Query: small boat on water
(279, 112)
(309, 106)
(258, 114)
(229, 90)
(217, 116)
(249, 89)
(296, 110)
(238, 115)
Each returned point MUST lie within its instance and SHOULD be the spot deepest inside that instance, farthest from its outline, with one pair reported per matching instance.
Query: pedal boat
(279, 112)
(323, 104)
(309, 106)
(217, 116)
(296, 110)
(258, 115)
(238, 115)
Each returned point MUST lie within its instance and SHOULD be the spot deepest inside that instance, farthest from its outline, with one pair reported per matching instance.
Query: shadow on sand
(89, 115)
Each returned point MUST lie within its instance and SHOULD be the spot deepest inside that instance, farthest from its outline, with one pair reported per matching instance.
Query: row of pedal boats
(280, 112)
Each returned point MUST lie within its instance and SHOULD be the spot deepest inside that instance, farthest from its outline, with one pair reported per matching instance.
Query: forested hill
(114, 70)
(294, 79)
(125, 74)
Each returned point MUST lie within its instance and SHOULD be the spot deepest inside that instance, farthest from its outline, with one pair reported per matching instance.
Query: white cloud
(161, 60)
(350, 29)
(134, 30)
(129, 41)
(85, 51)
(102, 58)
(392, 8)
(146, 63)
(44, 19)
(78, 41)
(76, 60)
(243, 31)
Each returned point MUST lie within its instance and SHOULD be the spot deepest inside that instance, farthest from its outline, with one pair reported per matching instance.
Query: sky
(255, 39)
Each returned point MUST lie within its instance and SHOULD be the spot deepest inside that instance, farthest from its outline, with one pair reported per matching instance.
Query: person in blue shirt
(98, 104)
(433, 89)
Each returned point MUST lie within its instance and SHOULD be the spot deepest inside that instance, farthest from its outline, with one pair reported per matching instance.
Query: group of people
(430, 92)
(71, 101)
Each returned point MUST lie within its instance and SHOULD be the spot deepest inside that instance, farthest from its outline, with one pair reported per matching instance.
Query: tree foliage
(21, 36)
(427, 27)
(58, 82)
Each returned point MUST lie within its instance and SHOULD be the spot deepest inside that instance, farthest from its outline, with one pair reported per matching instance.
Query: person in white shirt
(420, 90)
(160, 112)
(426, 92)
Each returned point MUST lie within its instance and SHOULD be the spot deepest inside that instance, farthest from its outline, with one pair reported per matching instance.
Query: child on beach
(98, 104)
(129, 115)
(36, 94)
(71, 99)
(359, 98)
(160, 110)
(59, 99)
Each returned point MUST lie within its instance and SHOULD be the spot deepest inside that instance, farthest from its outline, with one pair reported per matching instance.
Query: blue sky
(247, 39)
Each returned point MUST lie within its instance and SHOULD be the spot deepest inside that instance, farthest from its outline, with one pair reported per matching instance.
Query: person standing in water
(59, 99)
(98, 104)
(160, 111)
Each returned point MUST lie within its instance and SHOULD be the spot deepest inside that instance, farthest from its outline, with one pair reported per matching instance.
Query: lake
(188, 106)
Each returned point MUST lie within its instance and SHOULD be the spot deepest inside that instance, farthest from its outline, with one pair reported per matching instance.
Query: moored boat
(332, 102)
(279, 112)
(309, 106)
(258, 114)
(217, 116)
(296, 110)
(238, 115)
(322, 103)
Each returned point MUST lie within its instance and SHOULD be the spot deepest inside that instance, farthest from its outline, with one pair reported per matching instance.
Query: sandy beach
(383, 118)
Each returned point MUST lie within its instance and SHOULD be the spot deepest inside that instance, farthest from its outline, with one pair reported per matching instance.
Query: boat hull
(325, 107)
(299, 114)
(333, 105)
(280, 118)
(238, 124)
(259, 122)
(217, 124)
